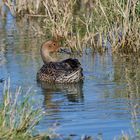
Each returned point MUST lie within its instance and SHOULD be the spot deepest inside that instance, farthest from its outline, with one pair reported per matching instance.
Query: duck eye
(54, 44)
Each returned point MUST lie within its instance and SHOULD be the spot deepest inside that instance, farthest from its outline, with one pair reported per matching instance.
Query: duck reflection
(57, 94)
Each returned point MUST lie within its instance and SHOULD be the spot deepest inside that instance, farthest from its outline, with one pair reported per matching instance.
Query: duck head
(50, 46)
(47, 48)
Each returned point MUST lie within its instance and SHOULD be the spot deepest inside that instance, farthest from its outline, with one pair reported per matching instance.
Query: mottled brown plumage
(66, 71)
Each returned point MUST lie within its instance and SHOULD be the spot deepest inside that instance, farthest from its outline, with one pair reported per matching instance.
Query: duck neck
(46, 57)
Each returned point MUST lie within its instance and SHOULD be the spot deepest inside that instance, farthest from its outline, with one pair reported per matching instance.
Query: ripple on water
(104, 103)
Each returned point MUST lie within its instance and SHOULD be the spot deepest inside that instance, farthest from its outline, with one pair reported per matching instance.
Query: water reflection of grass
(85, 23)
(135, 135)
(128, 72)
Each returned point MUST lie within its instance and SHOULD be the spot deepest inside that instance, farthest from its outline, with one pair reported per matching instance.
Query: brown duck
(65, 71)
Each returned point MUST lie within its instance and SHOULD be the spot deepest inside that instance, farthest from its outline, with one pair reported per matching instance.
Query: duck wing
(60, 71)
(71, 63)
(63, 67)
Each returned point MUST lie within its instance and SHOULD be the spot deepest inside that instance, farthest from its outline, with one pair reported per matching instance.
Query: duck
(53, 71)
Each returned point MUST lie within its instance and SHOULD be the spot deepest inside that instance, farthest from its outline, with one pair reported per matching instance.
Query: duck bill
(60, 50)
(64, 50)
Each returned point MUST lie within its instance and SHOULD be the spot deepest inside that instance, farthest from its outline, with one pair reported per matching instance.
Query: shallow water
(100, 106)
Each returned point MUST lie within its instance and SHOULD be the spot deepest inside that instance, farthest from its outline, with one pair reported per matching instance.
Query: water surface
(103, 104)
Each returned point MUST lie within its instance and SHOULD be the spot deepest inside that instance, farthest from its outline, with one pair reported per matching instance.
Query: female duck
(66, 71)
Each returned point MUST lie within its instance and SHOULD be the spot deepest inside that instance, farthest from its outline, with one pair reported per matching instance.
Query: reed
(127, 28)
(18, 116)
(86, 23)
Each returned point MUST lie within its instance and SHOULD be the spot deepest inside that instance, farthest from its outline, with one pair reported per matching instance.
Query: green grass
(19, 114)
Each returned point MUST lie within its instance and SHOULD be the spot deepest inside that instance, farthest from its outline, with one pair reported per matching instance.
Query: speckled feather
(66, 71)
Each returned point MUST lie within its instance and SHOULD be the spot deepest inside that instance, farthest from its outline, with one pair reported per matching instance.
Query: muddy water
(101, 106)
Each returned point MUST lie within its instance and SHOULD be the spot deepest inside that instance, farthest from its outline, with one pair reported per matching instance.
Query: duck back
(72, 63)
(66, 71)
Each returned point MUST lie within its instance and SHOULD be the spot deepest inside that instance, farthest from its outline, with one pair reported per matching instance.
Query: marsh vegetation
(97, 24)
(109, 30)
(18, 117)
